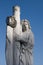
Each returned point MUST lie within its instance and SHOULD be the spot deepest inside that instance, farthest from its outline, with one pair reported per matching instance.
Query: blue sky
(31, 10)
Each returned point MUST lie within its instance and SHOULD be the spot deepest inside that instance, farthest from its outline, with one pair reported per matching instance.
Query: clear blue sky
(31, 10)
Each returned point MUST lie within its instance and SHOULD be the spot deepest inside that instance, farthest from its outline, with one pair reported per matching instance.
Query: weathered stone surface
(19, 40)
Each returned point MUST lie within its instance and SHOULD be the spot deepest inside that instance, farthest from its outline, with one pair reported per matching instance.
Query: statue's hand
(17, 37)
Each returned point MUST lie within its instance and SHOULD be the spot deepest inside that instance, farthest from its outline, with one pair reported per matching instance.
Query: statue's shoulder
(11, 21)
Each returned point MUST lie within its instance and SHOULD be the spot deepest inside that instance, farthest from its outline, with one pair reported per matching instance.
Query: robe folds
(9, 46)
(26, 50)
(19, 48)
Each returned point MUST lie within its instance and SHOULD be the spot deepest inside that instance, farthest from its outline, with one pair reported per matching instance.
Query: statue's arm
(21, 38)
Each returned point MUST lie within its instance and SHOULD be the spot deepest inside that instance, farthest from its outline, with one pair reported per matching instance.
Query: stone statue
(19, 40)
(27, 48)
(27, 43)
(13, 27)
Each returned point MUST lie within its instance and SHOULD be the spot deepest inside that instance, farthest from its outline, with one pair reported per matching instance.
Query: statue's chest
(18, 29)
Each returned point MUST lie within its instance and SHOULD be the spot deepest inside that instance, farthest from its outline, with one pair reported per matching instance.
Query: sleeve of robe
(21, 38)
(31, 40)
(9, 44)
(26, 39)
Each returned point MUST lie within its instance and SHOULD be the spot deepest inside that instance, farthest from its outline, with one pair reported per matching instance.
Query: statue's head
(16, 9)
(25, 25)
(11, 21)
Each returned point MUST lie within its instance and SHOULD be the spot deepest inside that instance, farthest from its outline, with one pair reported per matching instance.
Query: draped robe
(19, 47)
(12, 50)
(27, 43)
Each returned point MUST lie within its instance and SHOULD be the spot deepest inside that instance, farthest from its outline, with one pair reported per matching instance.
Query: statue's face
(17, 9)
(12, 22)
(26, 24)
